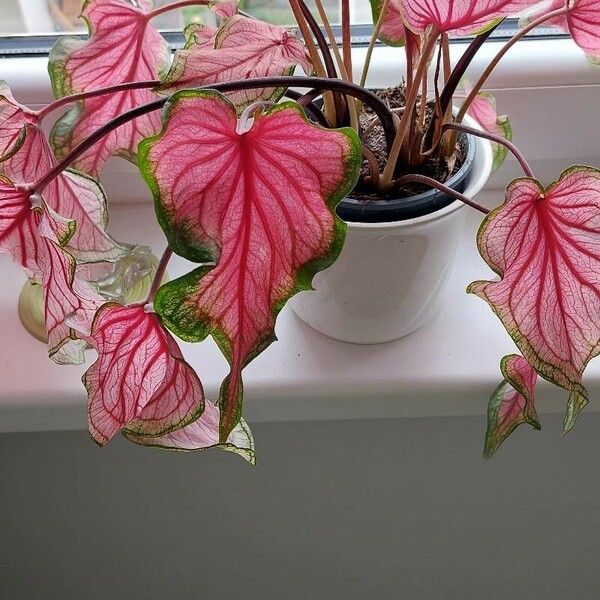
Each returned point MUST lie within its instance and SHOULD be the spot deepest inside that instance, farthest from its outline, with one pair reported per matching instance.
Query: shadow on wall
(334, 510)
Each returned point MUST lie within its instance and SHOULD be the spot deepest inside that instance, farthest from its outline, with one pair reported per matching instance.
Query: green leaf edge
(376, 11)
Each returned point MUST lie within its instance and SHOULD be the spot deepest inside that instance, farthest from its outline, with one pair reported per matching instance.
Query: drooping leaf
(64, 295)
(392, 32)
(458, 17)
(545, 245)
(512, 403)
(140, 380)
(582, 22)
(123, 46)
(13, 119)
(483, 110)
(202, 434)
(243, 48)
(72, 195)
(259, 205)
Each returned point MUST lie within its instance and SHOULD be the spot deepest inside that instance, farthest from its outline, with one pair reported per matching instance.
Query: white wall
(334, 510)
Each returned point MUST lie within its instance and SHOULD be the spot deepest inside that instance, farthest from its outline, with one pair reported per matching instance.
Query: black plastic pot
(410, 207)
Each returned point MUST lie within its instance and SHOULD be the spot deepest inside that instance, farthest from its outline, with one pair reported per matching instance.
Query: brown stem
(424, 180)
(494, 63)
(432, 137)
(347, 38)
(411, 100)
(494, 138)
(71, 99)
(306, 101)
(159, 275)
(324, 83)
(176, 5)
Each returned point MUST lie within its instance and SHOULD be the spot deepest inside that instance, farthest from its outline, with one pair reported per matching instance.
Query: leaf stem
(174, 6)
(120, 87)
(159, 275)
(324, 83)
(347, 38)
(372, 42)
(423, 179)
(494, 63)
(494, 138)
(411, 100)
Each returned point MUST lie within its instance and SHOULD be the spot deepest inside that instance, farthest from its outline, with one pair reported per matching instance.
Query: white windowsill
(449, 367)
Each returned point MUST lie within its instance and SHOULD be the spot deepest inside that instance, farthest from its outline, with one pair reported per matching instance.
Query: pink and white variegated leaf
(201, 434)
(545, 245)
(74, 196)
(140, 380)
(582, 22)
(64, 296)
(224, 8)
(14, 117)
(512, 403)
(483, 110)
(123, 46)
(258, 205)
(243, 48)
(458, 17)
(393, 31)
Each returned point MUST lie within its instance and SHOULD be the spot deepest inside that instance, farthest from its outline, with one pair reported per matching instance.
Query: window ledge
(447, 368)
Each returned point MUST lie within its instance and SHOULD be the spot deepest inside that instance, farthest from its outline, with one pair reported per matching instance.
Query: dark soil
(373, 136)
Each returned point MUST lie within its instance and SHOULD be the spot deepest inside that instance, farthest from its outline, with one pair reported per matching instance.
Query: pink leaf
(123, 46)
(483, 110)
(14, 117)
(259, 205)
(460, 17)
(392, 32)
(202, 434)
(582, 22)
(243, 48)
(545, 245)
(140, 380)
(512, 404)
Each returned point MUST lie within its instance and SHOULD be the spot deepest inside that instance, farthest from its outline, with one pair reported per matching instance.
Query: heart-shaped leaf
(512, 403)
(259, 205)
(545, 245)
(459, 17)
(392, 32)
(123, 46)
(582, 22)
(243, 48)
(483, 110)
(202, 434)
(140, 380)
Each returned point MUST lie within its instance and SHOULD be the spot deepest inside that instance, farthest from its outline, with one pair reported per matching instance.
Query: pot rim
(482, 167)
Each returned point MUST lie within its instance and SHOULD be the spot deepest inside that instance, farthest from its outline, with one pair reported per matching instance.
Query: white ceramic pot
(390, 277)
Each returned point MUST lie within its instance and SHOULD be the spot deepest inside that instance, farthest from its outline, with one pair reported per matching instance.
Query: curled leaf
(243, 48)
(512, 403)
(392, 32)
(140, 380)
(224, 8)
(14, 118)
(258, 206)
(123, 46)
(202, 434)
(545, 245)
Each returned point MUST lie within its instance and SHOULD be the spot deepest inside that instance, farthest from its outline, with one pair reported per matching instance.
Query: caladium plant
(246, 184)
